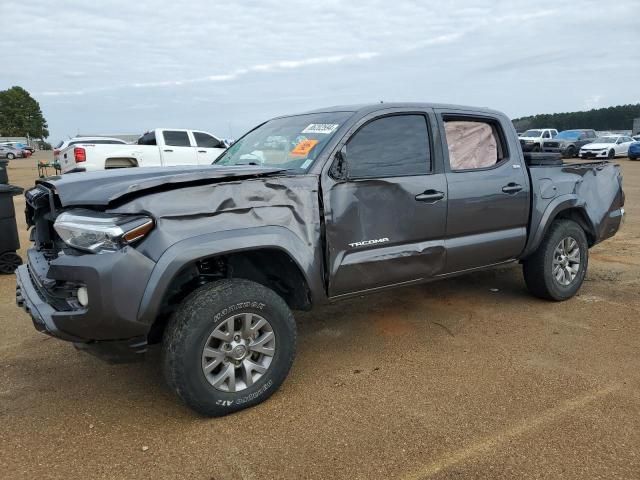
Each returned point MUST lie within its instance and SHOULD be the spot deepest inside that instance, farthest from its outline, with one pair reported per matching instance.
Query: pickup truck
(303, 210)
(64, 146)
(532, 140)
(569, 142)
(159, 147)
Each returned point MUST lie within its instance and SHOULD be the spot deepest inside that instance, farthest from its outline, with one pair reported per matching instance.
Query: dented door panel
(379, 235)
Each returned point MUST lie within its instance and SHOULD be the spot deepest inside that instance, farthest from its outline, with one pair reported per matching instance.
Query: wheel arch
(280, 262)
(561, 208)
(120, 162)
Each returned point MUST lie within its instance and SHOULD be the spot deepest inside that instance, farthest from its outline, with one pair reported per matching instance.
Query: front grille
(551, 144)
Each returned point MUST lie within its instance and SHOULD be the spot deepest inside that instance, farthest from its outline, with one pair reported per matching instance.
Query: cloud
(225, 77)
(253, 59)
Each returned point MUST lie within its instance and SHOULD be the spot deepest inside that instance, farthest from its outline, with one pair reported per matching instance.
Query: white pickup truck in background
(159, 147)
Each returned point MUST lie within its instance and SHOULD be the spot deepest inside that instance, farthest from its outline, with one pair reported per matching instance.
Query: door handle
(202, 151)
(430, 196)
(167, 150)
(512, 188)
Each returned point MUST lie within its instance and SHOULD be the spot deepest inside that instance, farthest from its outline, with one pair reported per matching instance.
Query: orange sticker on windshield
(304, 147)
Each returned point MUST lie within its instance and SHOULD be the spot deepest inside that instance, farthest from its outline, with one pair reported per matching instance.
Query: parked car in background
(607, 147)
(569, 142)
(65, 144)
(157, 148)
(634, 149)
(19, 146)
(10, 152)
(532, 140)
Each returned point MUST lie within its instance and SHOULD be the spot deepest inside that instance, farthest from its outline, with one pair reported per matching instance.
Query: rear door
(208, 148)
(488, 191)
(385, 220)
(177, 148)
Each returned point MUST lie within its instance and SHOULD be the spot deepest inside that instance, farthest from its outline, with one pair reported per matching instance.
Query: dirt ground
(444, 380)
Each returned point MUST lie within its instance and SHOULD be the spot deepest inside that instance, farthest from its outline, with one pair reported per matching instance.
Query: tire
(9, 261)
(612, 153)
(535, 148)
(10, 156)
(214, 309)
(539, 269)
(570, 152)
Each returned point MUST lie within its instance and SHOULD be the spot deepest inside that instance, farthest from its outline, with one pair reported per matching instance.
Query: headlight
(97, 232)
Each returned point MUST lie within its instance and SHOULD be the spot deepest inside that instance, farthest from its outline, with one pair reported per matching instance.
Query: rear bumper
(108, 326)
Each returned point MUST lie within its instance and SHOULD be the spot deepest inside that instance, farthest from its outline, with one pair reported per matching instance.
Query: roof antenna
(381, 101)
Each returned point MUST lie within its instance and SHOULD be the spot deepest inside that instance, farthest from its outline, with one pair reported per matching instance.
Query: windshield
(606, 140)
(569, 135)
(292, 143)
(532, 133)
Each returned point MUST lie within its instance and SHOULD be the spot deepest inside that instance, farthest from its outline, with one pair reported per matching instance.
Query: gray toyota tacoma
(303, 210)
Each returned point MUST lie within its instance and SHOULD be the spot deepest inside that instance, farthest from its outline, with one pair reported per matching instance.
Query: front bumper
(594, 154)
(108, 326)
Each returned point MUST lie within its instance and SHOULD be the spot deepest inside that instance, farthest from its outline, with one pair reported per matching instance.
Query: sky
(127, 66)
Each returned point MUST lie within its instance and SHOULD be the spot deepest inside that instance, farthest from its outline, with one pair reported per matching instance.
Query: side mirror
(340, 169)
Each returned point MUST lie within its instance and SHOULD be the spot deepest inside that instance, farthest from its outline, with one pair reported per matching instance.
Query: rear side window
(473, 144)
(391, 146)
(206, 141)
(176, 138)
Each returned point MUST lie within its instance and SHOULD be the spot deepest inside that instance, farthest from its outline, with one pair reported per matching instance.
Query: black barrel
(4, 177)
(9, 241)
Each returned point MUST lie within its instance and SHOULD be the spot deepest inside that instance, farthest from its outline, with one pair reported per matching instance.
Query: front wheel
(571, 152)
(229, 346)
(612, 153)
(557, 268)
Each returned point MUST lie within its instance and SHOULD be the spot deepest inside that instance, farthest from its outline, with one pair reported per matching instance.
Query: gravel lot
(444, 380)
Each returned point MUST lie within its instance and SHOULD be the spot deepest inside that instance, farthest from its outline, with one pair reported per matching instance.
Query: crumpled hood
(104, 187)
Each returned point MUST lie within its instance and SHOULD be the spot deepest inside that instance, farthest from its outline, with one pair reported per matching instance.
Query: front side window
(176, 138)
(391, 146)
(206, 141)
(473, 144)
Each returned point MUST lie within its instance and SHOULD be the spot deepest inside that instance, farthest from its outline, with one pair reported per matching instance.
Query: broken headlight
(97, 232)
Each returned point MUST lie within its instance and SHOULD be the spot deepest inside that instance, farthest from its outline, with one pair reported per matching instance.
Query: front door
(177, 149)
(385, 220)
(488, 192)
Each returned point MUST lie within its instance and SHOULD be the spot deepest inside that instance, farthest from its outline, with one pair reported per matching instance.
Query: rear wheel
(10, 156)
(229, 346)
(558, 267)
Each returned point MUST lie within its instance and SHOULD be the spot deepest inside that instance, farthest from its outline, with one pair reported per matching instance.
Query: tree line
(619, 117)
(20, 115)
